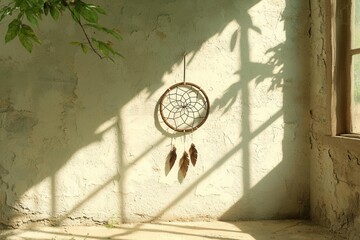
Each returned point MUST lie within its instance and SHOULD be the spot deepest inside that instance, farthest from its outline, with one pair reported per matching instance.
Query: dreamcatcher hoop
(184, 107)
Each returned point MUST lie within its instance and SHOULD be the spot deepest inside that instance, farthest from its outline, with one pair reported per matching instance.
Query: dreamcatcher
(184, 107)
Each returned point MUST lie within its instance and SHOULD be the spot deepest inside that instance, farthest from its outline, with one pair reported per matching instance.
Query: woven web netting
(184, 107)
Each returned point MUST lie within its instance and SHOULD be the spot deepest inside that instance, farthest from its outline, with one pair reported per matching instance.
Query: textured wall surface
(81, 140)
(335, 162)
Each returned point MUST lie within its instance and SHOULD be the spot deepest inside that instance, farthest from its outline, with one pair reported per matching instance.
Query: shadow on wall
(288, 69)
(61, 117)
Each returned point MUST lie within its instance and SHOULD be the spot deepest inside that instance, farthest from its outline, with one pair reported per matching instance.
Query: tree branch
(86, 35)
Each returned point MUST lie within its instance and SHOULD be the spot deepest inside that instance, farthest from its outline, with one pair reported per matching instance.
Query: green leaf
(6, 11)
(89, 14)
(13, 30)
(114, 33)
(104, 48)
(32, 3)
(27, 37)
(76, 43)
(114, 52)
(23, 5)
(26, 42)
(97, 9)
(46, 8)
(29, 32)
(74, 14)
(84, 47)
(101, 46)
(54, 12)
(31, 18)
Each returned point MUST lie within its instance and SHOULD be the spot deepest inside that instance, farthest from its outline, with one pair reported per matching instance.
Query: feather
(172, 157)
(193, 154)
(184, 163)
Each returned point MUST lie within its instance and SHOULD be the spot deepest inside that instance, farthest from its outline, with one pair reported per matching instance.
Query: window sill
(349, 142)
(351, 135)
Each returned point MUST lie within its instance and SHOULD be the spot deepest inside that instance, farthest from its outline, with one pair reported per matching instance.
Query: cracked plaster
(335, 178)
(79, 139)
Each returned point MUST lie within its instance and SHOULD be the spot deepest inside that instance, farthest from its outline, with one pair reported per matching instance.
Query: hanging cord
(184, 81)
(192, 135)
(184, 140)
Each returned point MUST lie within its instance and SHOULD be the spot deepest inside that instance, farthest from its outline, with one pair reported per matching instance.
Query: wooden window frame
(339, 57)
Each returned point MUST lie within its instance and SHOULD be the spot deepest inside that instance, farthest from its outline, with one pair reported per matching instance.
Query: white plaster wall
(81, 140)
(335, 164)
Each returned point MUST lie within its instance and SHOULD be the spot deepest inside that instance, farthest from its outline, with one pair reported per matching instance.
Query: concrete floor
(259, 230)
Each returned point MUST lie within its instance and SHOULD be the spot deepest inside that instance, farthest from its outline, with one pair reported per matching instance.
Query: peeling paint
(5, 105)
(20, 122)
